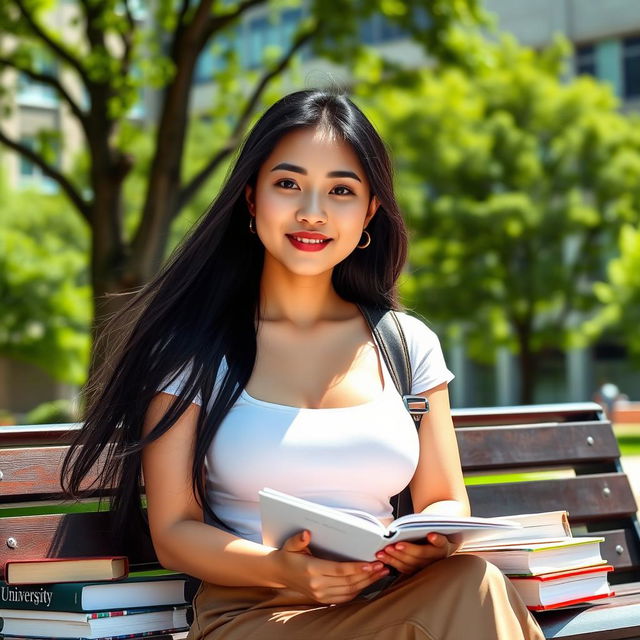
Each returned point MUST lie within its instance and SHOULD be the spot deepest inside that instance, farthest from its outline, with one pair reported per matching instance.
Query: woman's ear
(371, 211)
(248, 195)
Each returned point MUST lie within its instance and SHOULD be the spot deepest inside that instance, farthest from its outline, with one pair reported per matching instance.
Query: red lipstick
(308, 240)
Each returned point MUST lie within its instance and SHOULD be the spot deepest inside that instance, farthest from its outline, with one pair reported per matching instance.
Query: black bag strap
(389, 336)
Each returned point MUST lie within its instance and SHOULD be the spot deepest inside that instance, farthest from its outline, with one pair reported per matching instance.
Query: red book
(563, 588)
(53, 570)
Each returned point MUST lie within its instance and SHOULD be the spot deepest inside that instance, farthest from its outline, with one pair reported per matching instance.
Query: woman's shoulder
(416, 329)
(428, 365)
(176, 381)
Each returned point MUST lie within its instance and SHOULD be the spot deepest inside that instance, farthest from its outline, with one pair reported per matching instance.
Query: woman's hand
(324, 581)
(408, 557)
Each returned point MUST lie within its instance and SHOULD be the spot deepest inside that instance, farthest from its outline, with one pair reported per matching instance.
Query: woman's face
(311, 202)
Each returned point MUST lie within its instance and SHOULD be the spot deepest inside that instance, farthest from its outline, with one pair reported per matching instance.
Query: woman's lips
(311, 244)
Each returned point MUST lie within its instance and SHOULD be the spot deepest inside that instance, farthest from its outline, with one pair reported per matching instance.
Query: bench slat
(34, 471)
(614, 619)
(586, 498)
(31, 472)
(618, 549)
(38, 434)
(66, 535)
(559, 412)
(489, 448)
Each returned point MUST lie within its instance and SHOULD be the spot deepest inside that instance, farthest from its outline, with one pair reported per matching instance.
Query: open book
(345, 534)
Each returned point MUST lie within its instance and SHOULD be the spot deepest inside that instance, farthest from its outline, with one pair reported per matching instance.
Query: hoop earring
(367, 241)
(252, 225)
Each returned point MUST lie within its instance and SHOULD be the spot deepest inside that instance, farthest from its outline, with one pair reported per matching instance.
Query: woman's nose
(311, 210)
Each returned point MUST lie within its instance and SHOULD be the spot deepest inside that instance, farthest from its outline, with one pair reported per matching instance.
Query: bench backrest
(551, 457)
(570, 449)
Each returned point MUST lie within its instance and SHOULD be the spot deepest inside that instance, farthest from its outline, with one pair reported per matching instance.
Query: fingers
(407, 557)
(342, 592)
(297, 542)
(438, 540)
(346, 569)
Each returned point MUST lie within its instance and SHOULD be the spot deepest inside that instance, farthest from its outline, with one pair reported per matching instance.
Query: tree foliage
(105, 55)
(515, 184)
(620, 294)
(45, 297)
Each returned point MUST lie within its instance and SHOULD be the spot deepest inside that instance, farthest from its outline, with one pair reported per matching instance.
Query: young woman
(248, 363)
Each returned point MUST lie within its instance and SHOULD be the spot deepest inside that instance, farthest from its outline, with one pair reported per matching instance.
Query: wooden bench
(572, 442)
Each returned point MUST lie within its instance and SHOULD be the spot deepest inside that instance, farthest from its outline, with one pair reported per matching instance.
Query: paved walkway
(631, 466)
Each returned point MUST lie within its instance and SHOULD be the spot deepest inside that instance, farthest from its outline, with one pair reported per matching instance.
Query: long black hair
(203, 306)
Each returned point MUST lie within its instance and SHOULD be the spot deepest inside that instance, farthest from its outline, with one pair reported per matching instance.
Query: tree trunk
(111, 277)
(527, 363)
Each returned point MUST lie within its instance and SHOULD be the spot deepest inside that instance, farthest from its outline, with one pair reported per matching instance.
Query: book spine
(123, 612)
(61, 597)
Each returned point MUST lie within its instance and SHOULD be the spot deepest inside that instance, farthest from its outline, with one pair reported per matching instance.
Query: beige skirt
(460, 598)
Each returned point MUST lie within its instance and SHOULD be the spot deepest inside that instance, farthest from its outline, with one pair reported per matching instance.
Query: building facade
(606, 37)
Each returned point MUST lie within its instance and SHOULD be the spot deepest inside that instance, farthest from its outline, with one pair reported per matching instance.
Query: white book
(346, 534)
(535, 558)
(101, 624)
(563, 588)
(536, 527)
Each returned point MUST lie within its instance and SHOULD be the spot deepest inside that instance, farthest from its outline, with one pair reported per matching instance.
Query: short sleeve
(427, 360)
(176, 386)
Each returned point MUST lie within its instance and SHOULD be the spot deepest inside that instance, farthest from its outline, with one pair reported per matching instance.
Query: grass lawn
(628, 436)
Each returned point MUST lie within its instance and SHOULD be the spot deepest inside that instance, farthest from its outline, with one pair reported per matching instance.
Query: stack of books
(547, 565)
(89, 598)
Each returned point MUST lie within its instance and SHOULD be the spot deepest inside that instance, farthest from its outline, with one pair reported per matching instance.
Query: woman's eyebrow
(332, 174)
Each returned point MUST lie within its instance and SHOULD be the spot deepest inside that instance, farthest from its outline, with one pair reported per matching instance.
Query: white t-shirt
(349, 457)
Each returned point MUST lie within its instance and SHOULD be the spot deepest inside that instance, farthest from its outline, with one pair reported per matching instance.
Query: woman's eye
(289, 184)
(285, 183)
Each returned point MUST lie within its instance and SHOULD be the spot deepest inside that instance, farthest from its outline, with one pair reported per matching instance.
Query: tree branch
(221, 20)
(54, 46)
(71, 191)
(191, 188)
(181, 14)
(95, 34)
(51, 81)
(127, 38)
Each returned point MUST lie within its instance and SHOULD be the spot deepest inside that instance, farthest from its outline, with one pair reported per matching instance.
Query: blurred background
(513, 126)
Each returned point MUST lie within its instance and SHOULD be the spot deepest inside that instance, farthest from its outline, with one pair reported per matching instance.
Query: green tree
(45, 297)
(106, 53)
(620, 295)
(515, 184)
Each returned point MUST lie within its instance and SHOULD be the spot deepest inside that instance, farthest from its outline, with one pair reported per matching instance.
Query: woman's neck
(300, 300)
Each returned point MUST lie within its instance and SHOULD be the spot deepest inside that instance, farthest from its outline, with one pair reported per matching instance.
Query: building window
(263, 32)
(258, 38)
(31, 175)
(586, 60)
(36, 94)
(631, 67)
(390, 31)
(368, 30)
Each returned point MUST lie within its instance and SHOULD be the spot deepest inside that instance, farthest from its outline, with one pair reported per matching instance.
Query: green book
(143, 591)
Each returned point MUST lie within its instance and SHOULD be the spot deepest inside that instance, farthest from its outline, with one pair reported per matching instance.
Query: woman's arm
(437, 485)
(184, 542)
